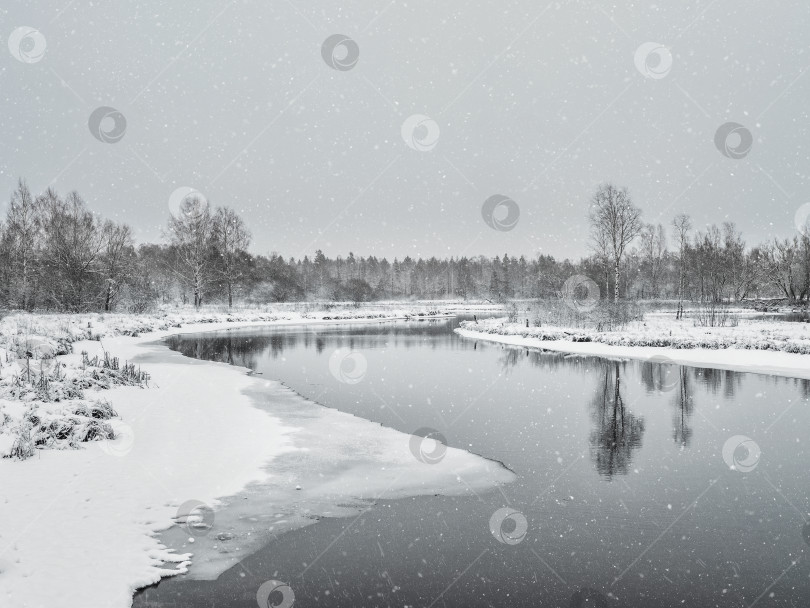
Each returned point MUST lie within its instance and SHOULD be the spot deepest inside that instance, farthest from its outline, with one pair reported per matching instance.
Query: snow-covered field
(754, 345)
(45, 378)
(78, 526)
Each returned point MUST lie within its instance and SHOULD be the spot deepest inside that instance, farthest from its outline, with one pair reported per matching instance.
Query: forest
(57, 254)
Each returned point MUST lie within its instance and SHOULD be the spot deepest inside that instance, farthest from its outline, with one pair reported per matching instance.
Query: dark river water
(624, 491)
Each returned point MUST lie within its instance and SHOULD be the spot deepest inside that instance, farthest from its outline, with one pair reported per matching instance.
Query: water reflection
(684, 407)
(540, 413)
(239, 346)
(618, 431)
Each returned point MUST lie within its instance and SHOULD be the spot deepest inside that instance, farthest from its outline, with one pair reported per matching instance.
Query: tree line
(56, 254)
(710, 265)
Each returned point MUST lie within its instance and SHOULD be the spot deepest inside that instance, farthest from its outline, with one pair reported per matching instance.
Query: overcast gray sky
(539, 103)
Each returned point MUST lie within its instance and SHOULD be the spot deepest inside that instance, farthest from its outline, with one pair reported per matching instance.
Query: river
(624, 494)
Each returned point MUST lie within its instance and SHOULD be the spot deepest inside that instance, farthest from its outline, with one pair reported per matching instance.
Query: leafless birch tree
(682, 225)
(616, 221)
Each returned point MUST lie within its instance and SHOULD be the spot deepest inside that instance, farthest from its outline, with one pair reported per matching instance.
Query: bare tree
(682, 225)
(117, 260)
(804, 241)
(709, 261)
(653, 254)
(231, 240)
(616, 220)
(740, 264)
(191, 231)
(601, 251)
(72, 247)
(22, 232)
(780, 261)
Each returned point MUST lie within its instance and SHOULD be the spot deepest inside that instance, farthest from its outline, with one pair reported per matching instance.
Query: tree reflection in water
(661, 377)
(684, 407)
(618, 431)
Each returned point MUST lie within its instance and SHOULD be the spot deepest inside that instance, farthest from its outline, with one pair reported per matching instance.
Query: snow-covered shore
(78, 527)
(44, 378)
(775, 347)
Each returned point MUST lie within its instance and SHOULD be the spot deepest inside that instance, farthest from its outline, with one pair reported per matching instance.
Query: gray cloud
(537, 103)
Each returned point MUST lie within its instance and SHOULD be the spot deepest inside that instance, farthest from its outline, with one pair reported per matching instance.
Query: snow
(30, 373)
(79, 527)
(768, 347)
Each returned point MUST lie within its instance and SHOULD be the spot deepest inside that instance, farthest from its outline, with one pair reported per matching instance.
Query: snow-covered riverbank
(47, 396)
(768, 347)
(78, 527)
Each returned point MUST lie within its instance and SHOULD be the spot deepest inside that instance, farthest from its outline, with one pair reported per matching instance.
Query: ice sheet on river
(338, 466)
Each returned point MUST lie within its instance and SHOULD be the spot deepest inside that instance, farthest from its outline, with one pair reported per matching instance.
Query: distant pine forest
(56, 254)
